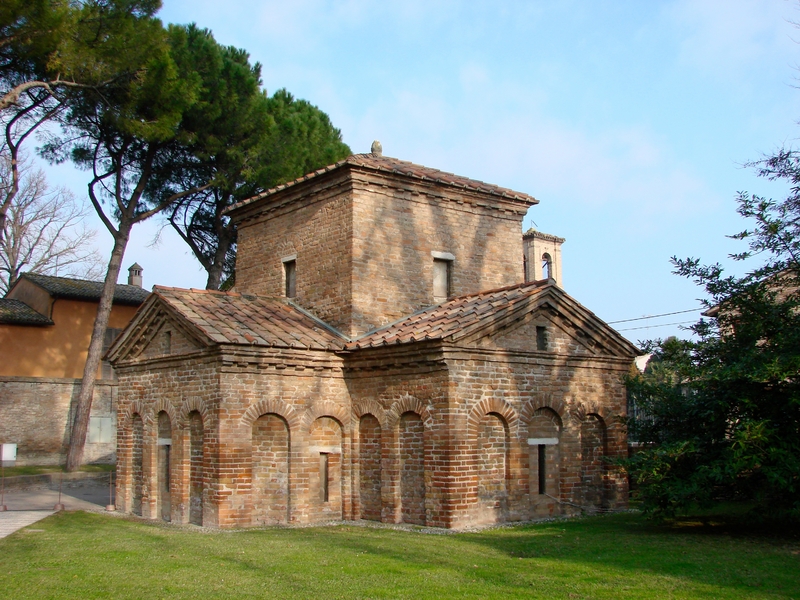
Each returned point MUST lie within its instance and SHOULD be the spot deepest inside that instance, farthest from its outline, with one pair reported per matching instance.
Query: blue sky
(629, 121)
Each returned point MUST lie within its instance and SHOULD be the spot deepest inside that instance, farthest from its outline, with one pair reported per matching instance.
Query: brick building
(381, 358)
(45, 326)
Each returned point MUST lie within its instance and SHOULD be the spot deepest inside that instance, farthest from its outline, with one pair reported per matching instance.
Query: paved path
(28, 506)
(13, 520)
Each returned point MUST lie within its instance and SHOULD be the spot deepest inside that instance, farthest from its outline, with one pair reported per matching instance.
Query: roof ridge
(195, 290)
(83, 289)
(32, 275)
(537, 283)
(398, 166)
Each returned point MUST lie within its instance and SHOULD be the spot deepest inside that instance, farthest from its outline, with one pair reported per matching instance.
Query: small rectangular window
(323, 476)
(542, 468)
(442, 274)
(290, 277)
(541, 338)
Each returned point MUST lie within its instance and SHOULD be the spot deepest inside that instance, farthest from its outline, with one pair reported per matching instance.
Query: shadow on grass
(607, 557)
(718, 553)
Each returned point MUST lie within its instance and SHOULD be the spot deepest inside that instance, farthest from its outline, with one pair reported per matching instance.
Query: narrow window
(541, 338)
(542, 468)
(290, 277)
(442, 273)
(525, 268)
(167, 342)
(547, 266)
(166, 466)
(323, 476)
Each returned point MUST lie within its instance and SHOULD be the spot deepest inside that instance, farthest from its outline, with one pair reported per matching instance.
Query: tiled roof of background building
(387, 164)
(83, 289)
(456, 316)
(231, 318)
(16, 312)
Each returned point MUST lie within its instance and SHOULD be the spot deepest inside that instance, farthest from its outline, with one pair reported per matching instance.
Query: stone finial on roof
(377, 149)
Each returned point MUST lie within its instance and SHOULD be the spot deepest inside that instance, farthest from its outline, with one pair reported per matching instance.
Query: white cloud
(725, 37)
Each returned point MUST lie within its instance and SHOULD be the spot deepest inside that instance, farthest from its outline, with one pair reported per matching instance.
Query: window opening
(442, 274)
(166, 465)
(290, 277)
(542, 468)
(323, 474)
(547, 266)
(168, 342)
(525, 268)
(541, 338)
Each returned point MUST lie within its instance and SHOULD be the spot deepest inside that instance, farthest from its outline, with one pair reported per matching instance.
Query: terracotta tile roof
(232, 318)
(16, 312)
(83, 289)
(461, 315)
(386, 164)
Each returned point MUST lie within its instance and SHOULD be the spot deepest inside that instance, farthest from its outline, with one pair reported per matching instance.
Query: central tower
(371, 239)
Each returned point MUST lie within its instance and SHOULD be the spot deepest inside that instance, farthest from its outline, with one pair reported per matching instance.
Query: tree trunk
(225, 237)
(80, 423)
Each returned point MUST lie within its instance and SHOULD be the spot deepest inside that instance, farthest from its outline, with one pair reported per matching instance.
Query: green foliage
(244, 141)
(720, 416)
(61, 43)
(31, 31)
(132, 134)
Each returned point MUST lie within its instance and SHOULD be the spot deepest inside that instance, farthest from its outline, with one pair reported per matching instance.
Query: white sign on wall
(8, 454)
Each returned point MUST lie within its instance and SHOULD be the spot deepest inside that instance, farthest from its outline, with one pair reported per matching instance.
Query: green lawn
(80, 555)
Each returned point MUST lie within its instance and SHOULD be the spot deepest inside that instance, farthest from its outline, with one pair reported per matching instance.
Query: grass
(71, 555)
(40, 469)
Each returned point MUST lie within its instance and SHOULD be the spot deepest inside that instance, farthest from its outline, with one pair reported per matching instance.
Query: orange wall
(57, 350)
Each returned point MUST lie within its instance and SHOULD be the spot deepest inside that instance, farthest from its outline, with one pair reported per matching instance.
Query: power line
(679, 312)
(653, 326)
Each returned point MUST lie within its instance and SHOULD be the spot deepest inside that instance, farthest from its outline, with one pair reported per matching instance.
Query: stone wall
(36, 414)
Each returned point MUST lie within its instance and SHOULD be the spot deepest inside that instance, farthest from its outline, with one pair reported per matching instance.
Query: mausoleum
(383, 357)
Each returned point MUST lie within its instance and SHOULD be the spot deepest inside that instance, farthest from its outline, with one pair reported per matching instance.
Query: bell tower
(542, 256)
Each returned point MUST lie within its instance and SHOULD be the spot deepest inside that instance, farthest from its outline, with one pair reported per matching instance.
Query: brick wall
(316, 227)
(536, 397)
(36, 414)
(397, 224)
(182, 394)
(430, 436)
(369, 464)
(363, 244)
(270, 470)
(411, 463)
(492, 474)
(197, 480)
